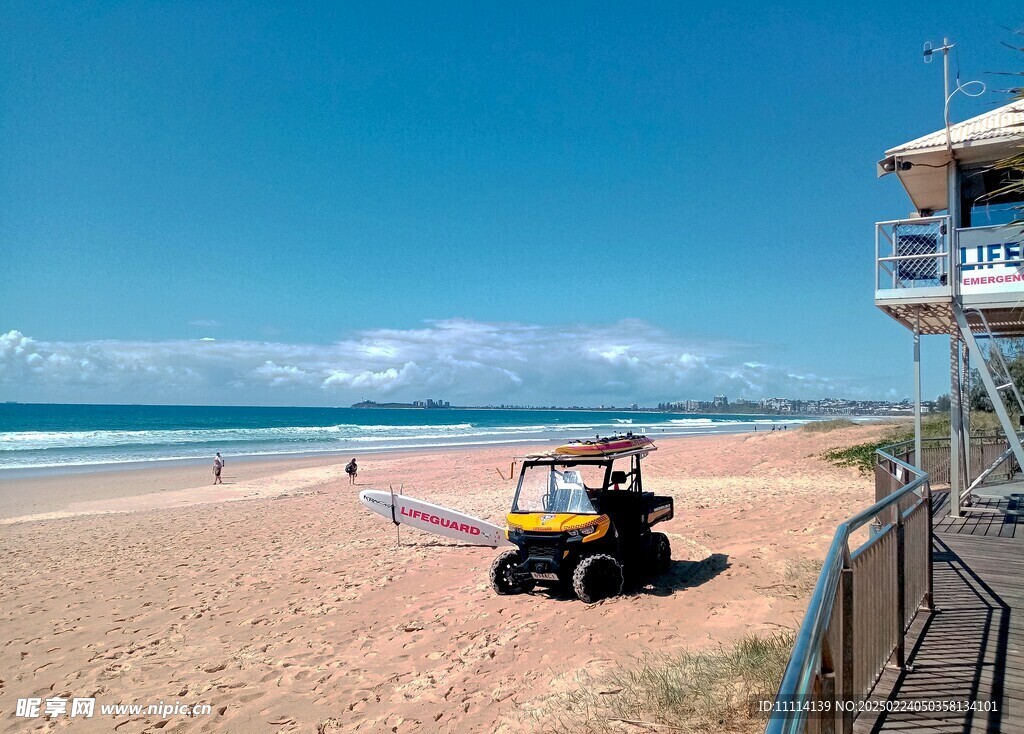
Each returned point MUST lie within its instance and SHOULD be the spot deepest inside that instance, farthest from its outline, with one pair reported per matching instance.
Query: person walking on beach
(218, 465)
(351, 469)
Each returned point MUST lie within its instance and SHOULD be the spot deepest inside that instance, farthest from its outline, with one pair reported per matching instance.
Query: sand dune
(294, 609)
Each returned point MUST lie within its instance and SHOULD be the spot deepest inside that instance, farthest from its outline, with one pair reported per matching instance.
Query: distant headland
(424, 404)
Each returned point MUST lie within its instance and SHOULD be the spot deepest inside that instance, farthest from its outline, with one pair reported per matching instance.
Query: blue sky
(514, 203)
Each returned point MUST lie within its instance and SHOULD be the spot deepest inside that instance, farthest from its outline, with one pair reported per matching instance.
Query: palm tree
(1011, 187)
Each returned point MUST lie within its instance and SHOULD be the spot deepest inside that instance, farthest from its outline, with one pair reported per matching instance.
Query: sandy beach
(281, 602)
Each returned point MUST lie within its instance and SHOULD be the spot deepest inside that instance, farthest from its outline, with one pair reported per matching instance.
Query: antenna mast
(945, 49)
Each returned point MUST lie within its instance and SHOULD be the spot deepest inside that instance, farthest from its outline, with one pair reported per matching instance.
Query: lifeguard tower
(955, 267)
(920, 612)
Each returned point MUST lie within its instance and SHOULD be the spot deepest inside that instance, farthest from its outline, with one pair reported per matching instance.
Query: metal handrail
(901, 447)
(803, 664)
(915, 220)
(925, 256)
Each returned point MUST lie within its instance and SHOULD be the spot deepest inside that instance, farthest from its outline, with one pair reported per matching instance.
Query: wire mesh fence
(913, 253)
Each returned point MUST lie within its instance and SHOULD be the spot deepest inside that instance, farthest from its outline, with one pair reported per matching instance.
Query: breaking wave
(21, 449)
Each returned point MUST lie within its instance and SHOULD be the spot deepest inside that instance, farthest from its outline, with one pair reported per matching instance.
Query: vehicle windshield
(553, 489)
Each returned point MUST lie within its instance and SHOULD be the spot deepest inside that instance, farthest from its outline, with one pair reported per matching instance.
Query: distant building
(720, 401)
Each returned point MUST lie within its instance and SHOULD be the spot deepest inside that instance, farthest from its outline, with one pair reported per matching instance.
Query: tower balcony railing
(927, 260)
(913, 256)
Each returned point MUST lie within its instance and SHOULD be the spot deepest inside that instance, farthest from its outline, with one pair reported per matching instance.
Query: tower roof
(1003, 124)
(987, 138)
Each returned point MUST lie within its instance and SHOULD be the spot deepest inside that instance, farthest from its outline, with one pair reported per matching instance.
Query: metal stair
(995, 376)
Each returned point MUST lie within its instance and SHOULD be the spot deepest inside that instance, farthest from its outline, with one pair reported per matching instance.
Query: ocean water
(40, 436)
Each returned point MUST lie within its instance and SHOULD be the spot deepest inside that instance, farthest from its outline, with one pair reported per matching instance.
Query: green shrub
(862, 456)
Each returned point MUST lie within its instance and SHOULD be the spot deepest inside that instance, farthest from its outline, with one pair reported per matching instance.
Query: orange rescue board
(605, 446)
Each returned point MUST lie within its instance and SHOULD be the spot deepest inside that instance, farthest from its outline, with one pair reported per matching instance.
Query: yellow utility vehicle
(583, 520)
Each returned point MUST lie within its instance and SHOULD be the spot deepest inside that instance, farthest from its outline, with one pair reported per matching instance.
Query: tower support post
(917, 391)
(954, 423)
(965, 411)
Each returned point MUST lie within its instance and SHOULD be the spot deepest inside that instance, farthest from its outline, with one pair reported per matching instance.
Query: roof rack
(576, 458)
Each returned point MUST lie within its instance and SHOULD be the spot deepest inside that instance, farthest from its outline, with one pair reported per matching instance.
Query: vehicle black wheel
(566, 572)
(504, 576)
(661, 553)
(597, 577)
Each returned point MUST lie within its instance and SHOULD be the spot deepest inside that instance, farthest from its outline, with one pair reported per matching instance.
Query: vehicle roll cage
(633, 476)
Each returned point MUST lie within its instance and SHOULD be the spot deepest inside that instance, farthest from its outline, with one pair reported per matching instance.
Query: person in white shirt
(218, 465)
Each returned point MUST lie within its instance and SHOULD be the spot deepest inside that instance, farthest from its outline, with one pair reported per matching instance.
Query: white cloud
(466, 362)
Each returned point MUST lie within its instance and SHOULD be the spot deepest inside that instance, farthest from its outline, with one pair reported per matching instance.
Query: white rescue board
(433, 518)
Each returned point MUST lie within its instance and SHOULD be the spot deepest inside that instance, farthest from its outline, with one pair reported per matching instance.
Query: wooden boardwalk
(972, 649)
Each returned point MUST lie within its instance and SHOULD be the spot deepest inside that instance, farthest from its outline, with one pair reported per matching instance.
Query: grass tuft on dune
(710, 691)
(825, 426)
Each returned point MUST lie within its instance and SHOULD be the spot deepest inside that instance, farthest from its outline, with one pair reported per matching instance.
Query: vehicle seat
(623, 507)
